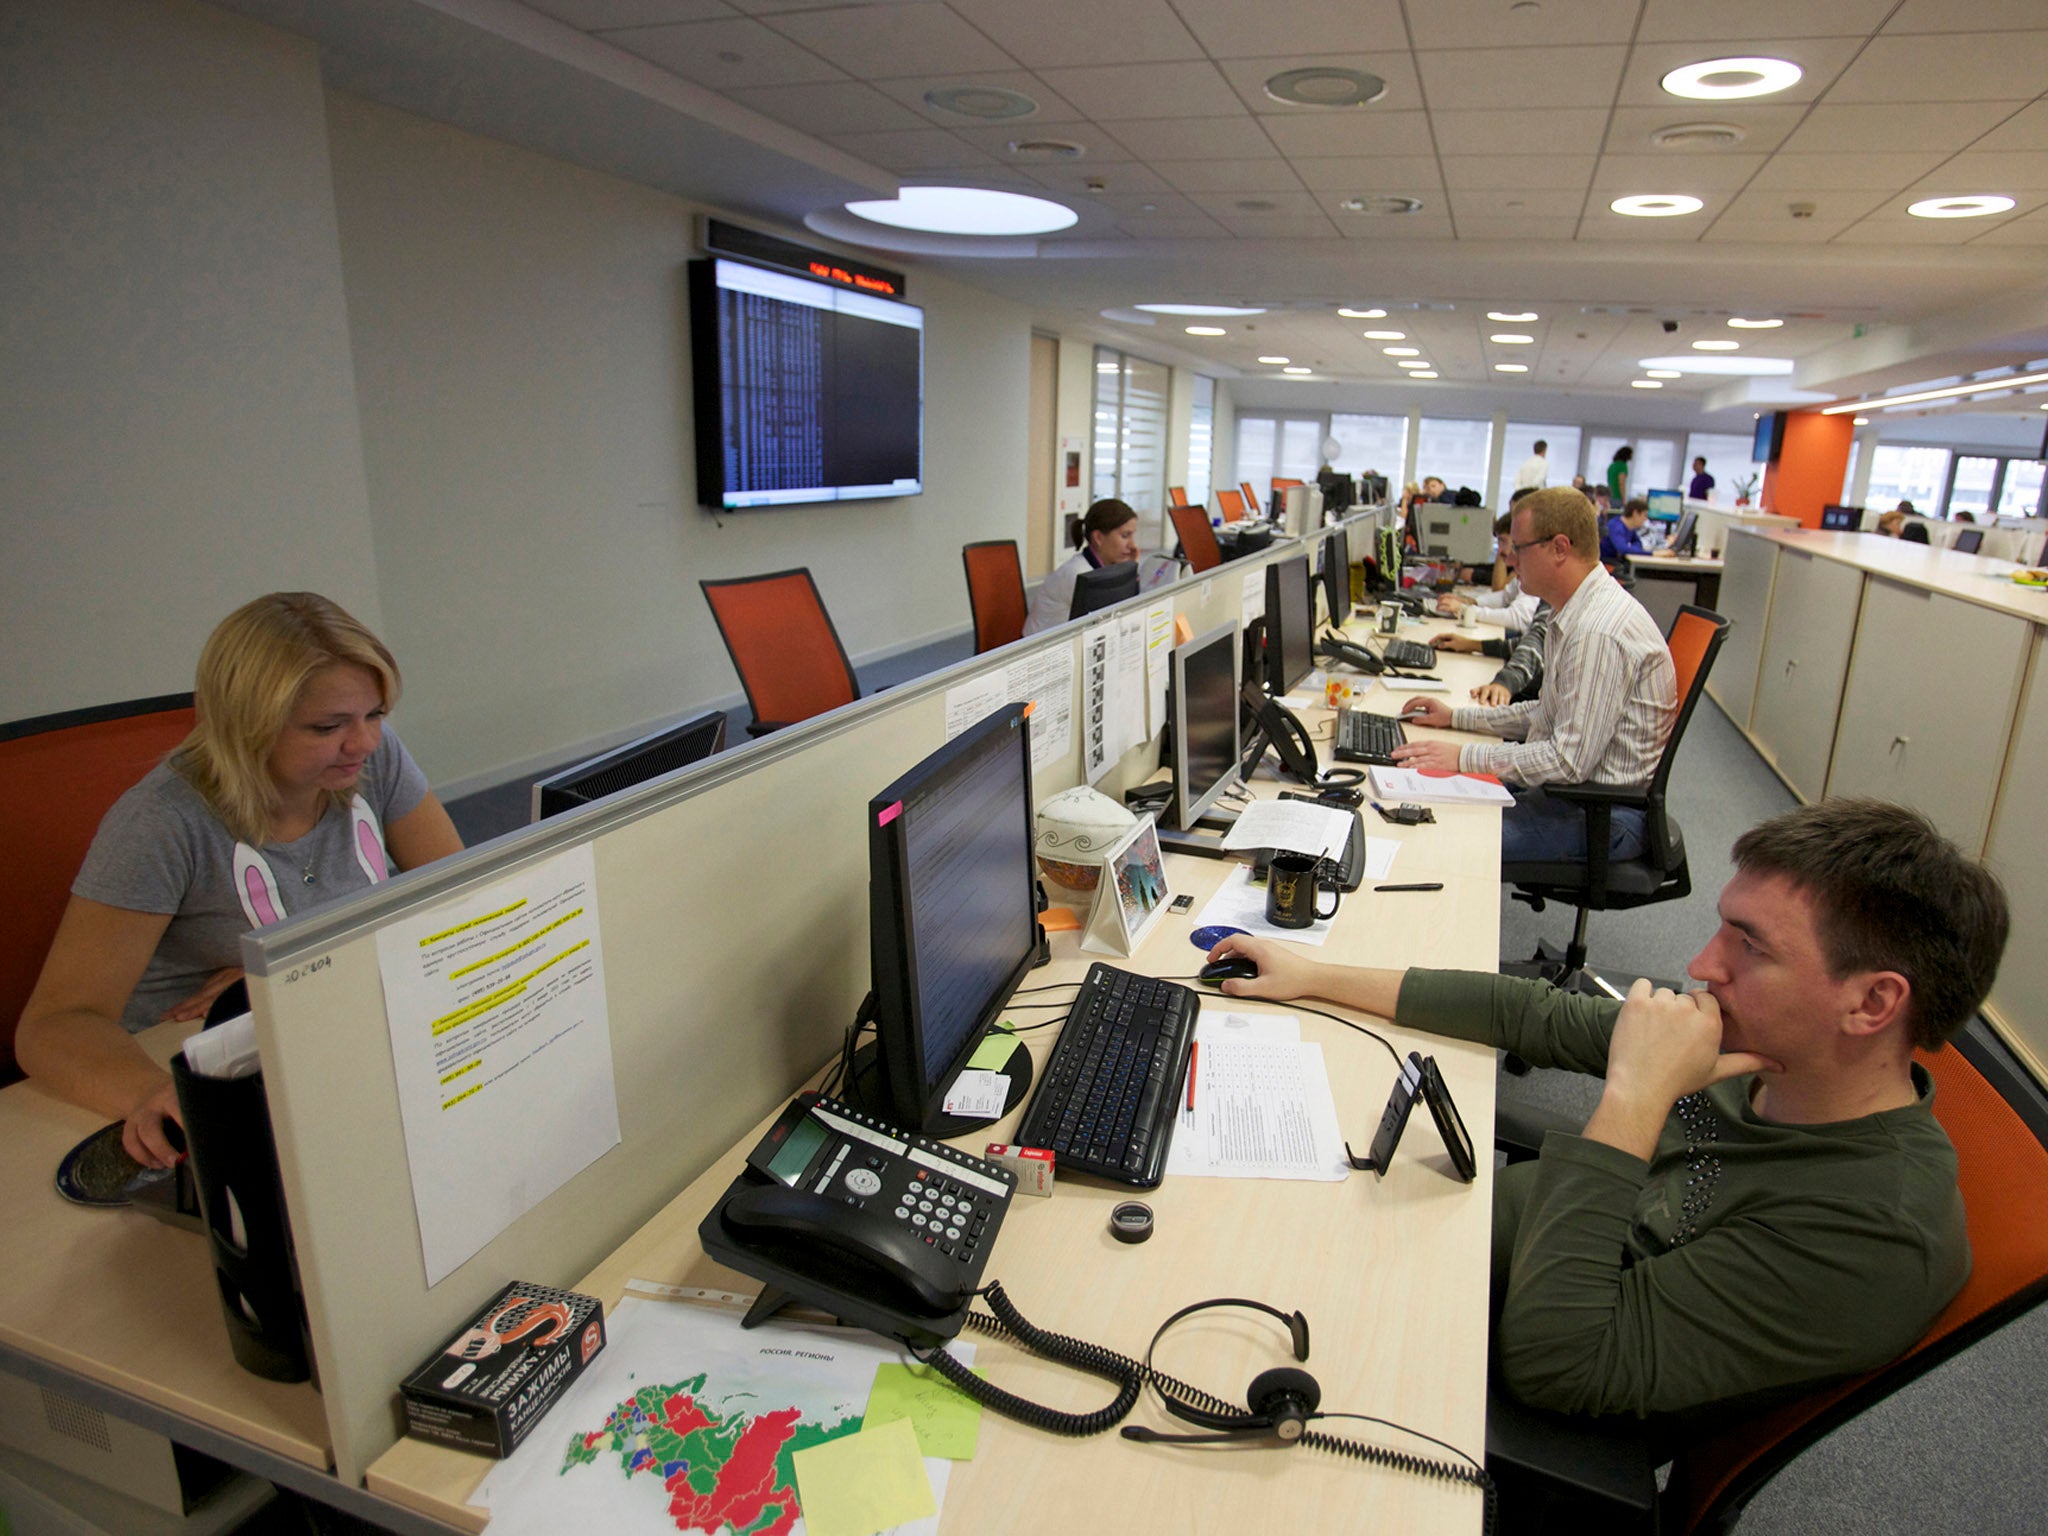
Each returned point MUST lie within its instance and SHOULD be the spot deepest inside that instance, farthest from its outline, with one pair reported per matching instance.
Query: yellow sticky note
(947, 1420)
(863, 1483)
(993, 1054)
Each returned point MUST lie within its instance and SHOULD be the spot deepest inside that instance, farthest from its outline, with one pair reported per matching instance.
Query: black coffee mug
(1291, 889)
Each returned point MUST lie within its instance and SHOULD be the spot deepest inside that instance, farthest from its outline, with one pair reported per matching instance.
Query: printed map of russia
(718, 1470)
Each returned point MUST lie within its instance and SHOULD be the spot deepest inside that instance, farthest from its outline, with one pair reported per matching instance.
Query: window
(1728, 460)
(2020, 496)
(1600, 453)
(1130, 436)
(1563, 454)
(1655, 467)
(1900, 473)
(1286, 447)
(1372, 445)
(1976, 481)
(1201, 441)
(1454, 450)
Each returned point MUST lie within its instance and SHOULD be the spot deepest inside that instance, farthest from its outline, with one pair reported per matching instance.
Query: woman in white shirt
(1107, 535)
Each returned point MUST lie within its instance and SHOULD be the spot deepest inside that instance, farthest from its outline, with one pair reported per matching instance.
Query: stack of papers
(1439, 788)
(1263, 1107)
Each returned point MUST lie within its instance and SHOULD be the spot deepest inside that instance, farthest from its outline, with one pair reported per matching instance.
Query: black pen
(1426, 885)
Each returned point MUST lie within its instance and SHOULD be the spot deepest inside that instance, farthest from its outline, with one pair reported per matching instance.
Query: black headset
(1282, 1400)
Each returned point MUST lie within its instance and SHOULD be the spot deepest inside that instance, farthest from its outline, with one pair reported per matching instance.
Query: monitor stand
(867, 1088)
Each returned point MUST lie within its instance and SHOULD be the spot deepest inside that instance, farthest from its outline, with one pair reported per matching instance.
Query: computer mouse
(1237, 967)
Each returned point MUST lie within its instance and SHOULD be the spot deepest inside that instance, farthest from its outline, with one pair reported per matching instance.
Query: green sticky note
(993, 1054)
(862, 1483)
(947, 1420)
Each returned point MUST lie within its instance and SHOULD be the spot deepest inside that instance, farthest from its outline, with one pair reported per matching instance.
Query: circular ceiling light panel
(1047, 149)
(1645, 383)
(1511, 339)
(1752, 367)
(1732, 79)
(1510, 367)
(1698, 136)
(1409, 362)
(1296, 372)
(1207, 330)
(986, 102)
(1656, 205)
(1402, 351)
(1958, 207)
(1277, 362)
(1421, 375)
(1504, 317)
(1324, 86)
(966, 211)
(1195, 309)
(1381, 206)
(1717, 346)
(1384, 335)
(1741, 324)
(1663, 373)
(1363, 314)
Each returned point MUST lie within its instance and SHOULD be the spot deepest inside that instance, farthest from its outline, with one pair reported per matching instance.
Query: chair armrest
(1601, 794)
(1563, 1472)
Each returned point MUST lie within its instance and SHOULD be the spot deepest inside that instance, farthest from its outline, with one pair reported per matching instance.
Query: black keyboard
(1113, 1085)
(1412, 654)
(1363, 737)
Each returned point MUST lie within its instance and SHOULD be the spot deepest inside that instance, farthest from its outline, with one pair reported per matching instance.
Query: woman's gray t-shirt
(162, 849)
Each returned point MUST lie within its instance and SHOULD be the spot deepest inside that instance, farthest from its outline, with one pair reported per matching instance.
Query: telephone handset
(1355, 656)
(1279, 727)
(844, 1212)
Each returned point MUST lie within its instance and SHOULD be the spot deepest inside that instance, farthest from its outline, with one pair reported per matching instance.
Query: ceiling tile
(1846, 172)
(1201, 138)
(1226, 205)
(878, 41)
(1494, 173)
(1955, 67)
(779, 7)
(2025, 129)
(1778, 231)
(1248, 78)
(1370, 132)
(1269, 226)
(1820, 59)
(1111, 93)
(1148, 228)
(1096, 142)
(1520, 203)
(1977, 16)
(1738, 21)
(1546, 230)
(1554, 130)
(2011, 172)
(596, 15)
(1521, 77)
(1674, 172)
(1232, 175)
(1050, 33)
(1429, 224)
(911, 89)
(725, 55)
(1411, 174)
(911, 149)
(2029, 229)
(1496, 23)
(1120, 179)
(1771, 206)
(1304, 30)
(1904, 126)
(1763, 127)
(830, 109)
(1908, 232)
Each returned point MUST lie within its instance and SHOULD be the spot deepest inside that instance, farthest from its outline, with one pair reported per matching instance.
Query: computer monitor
(1337, 577)
(1968, 541)
(1103, 588)
(1686, 534)
(1462, 535)
(1665, 505)
(1290, 624)
(634, 763)
(952, 917)
(1842, 519)
(1203, 697)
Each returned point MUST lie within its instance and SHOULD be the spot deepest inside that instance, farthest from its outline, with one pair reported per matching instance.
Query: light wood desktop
(1392, 1273)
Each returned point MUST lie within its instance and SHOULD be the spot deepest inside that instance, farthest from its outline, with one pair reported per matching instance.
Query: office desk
(1391, 1272)
(1664, 582)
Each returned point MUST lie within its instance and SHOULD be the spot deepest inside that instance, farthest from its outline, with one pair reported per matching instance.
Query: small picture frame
(1132, 894)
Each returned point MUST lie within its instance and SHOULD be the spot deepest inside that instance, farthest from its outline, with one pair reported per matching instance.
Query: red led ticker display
(824, 272)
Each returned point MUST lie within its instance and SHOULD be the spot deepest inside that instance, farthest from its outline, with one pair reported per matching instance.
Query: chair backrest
(1197, 538)
(1968, 541)
(58, 776)
(1177, 495)
(1232, 505)
(1694, 642)
(783, 646)
(2002, 1169)
(1251, 497)
(995, 592)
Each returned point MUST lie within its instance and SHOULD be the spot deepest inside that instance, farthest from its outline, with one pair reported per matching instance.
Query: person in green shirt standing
(1763, 1199)
(1617, 474)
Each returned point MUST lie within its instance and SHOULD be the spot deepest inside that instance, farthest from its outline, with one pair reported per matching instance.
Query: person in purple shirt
(1702, 483)
(1620, 534)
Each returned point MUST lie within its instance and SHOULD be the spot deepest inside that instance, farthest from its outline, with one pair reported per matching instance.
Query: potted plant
(1744, 486)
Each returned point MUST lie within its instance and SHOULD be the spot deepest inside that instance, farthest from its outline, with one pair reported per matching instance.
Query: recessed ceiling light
(1047, 149)
(1410, 362)
(1958, 207)
(1698, 136)
(1421, 375)
(965, 211)
(983, 101)
(1276, 361)
(1664, 373)
(1326, 86)
(1296, 371)
(1645, 383)
(1510, 367)
(1381, 205)
(1732, 79)
(1509, 319)
(1510, 339)
(1656, 205)
(1363, 314)
(1385, 335)
(1694, 363)
(1207, 330)
(1402, 351)
(1741, 324)
(1717, 346)
(1195, 309)
(1864, 421)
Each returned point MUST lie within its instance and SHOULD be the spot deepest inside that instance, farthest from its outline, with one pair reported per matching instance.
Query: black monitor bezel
(1103, 587)
(563, 790)
(1686, 531)
(1278, 637)
(916, 1099)
(1187, 814)
(1336, 577)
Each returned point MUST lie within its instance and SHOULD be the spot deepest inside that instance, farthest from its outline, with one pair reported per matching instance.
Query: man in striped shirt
(1609, 693)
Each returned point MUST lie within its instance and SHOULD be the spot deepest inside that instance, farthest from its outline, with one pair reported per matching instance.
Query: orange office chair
(1232, 505)
(59, 774)
(1251, 498)
(1198, 544)
(1177, 495)
(783, 646)
(995, 592)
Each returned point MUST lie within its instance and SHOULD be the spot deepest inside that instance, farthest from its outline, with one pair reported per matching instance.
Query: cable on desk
(1008, 1322)
(1275, 1002)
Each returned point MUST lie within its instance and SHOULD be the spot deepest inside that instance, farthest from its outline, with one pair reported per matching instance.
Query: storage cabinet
(1751, 565)
(2018, 853)
(1812, 627)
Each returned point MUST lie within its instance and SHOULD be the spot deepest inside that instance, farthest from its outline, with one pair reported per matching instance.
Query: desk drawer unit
(1745, 601)
(1814, 605)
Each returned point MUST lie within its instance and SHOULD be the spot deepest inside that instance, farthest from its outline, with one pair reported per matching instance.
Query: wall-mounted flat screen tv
(805, 392)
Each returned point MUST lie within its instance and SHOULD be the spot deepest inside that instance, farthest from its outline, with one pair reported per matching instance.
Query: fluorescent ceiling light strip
(1885, 402)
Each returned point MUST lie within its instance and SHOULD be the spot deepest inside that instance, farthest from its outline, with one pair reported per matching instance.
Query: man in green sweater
(1763, 1199)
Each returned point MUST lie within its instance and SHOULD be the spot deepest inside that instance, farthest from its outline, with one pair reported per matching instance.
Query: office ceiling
(1512, 123)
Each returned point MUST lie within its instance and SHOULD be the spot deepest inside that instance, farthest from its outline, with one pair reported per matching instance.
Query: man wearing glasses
(1609, 697)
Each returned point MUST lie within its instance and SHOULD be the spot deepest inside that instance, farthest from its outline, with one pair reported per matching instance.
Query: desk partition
(732, 900)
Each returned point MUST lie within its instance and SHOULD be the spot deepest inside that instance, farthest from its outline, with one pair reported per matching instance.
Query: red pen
(1194, 1051)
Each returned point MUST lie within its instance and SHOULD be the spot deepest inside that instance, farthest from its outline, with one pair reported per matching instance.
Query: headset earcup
(1284, 1397)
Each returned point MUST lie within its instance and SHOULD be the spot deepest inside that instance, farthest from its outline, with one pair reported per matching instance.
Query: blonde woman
(289, 793)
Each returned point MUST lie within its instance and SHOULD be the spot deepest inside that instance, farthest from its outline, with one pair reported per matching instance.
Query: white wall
(177, 409)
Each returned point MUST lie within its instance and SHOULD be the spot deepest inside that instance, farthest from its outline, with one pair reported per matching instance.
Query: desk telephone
(1279, 727)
